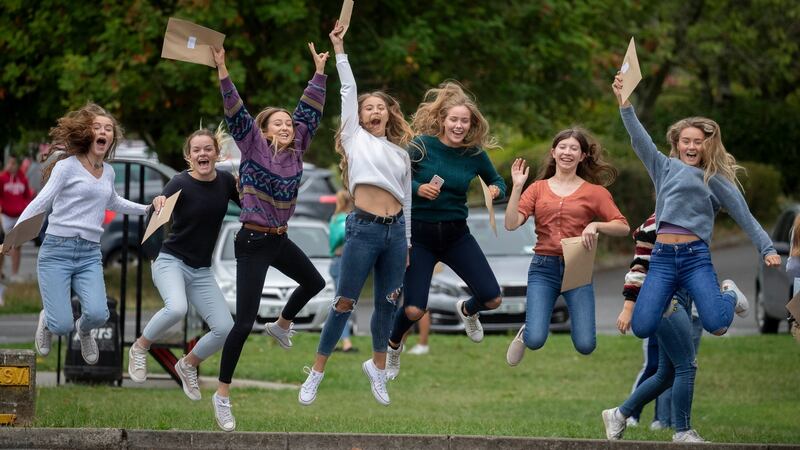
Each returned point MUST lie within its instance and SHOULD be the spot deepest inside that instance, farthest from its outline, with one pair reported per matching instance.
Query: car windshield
(507, 243)
(312, 240)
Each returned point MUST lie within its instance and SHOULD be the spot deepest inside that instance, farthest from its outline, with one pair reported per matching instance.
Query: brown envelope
(578, 263)
(794, 307)
(487, 198)
(344, 16)
(186, 41)
(23, 232)
(630, 71)
(156, 220)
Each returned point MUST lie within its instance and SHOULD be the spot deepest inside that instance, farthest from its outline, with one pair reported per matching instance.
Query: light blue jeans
(368, 245)
(67, 265)
(544, 287)
(177, 283)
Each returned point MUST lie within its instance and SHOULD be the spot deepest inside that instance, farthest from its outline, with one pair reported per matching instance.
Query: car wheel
(765, 323)
(114, 258)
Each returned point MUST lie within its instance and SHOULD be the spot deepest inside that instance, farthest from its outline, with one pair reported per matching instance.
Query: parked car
(774, 286)
(312, 237)
(509, 255)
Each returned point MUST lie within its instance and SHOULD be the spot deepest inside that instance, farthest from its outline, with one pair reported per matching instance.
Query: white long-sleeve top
(79, 201)
(370, 159)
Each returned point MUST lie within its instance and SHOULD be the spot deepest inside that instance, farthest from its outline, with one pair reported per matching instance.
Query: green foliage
(762, 189)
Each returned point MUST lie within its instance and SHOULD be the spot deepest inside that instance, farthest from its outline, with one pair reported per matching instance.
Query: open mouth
(101, 141)
(283, 136)
(203, 163)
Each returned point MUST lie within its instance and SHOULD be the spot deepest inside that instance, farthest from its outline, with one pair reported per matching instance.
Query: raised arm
(349, 91)
(519, 175)
(240, 123)
(308, 113)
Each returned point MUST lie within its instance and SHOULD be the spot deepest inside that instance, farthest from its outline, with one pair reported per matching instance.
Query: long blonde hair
(344, 202)
(398, 131)
(593, 168)
(261, 121)
(436, 104)
(715, 159)
(794, 249)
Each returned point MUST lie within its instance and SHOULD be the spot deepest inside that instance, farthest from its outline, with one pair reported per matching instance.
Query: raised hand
(519, 172)
(319, 58)
(219, 60)
(616, 86)
(337, 38)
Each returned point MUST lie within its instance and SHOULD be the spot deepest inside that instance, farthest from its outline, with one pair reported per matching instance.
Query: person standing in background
(15, 194)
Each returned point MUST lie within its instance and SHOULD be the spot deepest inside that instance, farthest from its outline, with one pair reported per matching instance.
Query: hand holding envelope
(487, 198)
(578, 263)
(23, 232)
(162, 217)
(189, 42)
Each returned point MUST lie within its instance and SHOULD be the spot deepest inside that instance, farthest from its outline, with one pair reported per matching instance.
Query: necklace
(91, 164)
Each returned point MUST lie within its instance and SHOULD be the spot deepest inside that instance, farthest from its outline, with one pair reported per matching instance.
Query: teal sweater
(337, 228)
(458, 167)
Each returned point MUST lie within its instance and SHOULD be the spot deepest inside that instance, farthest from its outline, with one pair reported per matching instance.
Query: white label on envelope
(192, 42)
(625, 67)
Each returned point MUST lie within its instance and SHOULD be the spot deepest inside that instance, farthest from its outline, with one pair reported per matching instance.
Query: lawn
(746, 391)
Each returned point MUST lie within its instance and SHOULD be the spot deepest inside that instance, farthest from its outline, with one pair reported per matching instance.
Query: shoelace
(291, 331)
(224, 410)
(312, 381)
(394, 357)
(472, 323)
(191, 374)
(139, 360)
(44, 337)
(381, 381)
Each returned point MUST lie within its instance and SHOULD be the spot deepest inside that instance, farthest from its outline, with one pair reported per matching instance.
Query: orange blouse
(562, 217)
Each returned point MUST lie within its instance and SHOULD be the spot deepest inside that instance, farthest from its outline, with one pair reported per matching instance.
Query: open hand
(519, 172)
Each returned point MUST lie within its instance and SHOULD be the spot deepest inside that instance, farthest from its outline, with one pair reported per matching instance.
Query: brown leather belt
(269, 230)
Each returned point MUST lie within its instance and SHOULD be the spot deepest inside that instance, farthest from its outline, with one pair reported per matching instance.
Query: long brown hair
(794, 249)
(398, 131)
(262, 119)
(714, 158)
(592, 169)
(74, 134)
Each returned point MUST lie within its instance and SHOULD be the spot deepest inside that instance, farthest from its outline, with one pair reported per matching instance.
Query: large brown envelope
(487, 198)
(630, 71)
(186, 41)
(794, 307)
(156, 220)
(23, 232)
(344, 16)
(578, 263)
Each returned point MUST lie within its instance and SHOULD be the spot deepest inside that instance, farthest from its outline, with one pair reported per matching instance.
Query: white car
(312, 237)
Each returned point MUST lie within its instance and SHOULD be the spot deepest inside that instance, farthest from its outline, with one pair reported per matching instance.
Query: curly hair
(714, 159)
(592, 169)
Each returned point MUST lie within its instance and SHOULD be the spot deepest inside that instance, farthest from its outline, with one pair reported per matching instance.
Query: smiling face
(690, 146)
(567, 154)
(456, 125)
(374, 115)
(202, 156)
(279, 129)
(103, 129)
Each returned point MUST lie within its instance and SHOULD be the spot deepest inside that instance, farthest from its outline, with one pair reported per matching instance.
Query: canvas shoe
(222, 412)
(516, 349)
(43, 336)
(188, 375)
(137, 363)
(377, 380)
(308, 391)
(282, 336)
(742, 305)
(419, 349)
(472, 324)
(657, 425)
(687, 436)
(393, 362)
(89, 349)
(615, 424)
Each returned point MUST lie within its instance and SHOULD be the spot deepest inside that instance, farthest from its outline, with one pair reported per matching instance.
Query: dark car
(774, 287)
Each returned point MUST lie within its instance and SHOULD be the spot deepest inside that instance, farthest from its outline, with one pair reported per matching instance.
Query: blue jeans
(663, 409)
(687, 266)
(69, 265)
(676, 368)
(544, 287)
(179, 284)
(368, 245)
(333, 270)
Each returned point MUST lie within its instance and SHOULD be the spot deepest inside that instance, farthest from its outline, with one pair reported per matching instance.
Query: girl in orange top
(564, 200)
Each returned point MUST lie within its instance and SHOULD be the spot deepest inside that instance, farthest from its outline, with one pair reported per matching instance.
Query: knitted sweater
(645, 238)
(268, 182)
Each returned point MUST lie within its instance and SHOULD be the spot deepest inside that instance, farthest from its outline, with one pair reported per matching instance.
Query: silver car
(312, 237)
(774, 287)
(509, 255)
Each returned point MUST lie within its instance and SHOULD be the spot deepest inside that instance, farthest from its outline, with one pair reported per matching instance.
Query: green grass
(746, 391)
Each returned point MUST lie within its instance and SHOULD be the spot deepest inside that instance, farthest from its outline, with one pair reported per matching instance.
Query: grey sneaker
(222, 412)
(308, 391)
(43, 336)
(687, 436)
(419, 349)
(88, 344)
(657, 425)
(282, 336)
(393, 362)
(188, 375)
(632, 422)
(472, 324)
(377, 380)
(742, 305)
(516, 349)
(615, 424)
(137, 363)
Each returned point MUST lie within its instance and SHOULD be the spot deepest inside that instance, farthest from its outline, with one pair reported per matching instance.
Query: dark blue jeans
(687, 266)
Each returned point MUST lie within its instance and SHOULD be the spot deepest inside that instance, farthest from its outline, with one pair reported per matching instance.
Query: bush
(762, 187)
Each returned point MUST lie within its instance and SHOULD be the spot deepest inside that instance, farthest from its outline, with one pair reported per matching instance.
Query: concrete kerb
(62, 438)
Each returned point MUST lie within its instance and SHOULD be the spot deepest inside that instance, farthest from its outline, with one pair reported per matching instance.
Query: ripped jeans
(368, 245)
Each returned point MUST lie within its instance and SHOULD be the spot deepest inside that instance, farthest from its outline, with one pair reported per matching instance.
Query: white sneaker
(393, 362)
(377, 380)
(188, 375)
(282, 336)
(516, 349)
(615, 424)
(222, 412)
(472, 324)
(43, 336)
(88, 344)
(137, 363)
(419, 349)
(308, 391)
(657, 425)
(631, 422)
(742, 305)
(687, 436)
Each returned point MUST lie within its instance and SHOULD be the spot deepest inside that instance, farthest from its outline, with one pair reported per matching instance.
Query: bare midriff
(375, 200)
(669, 238)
